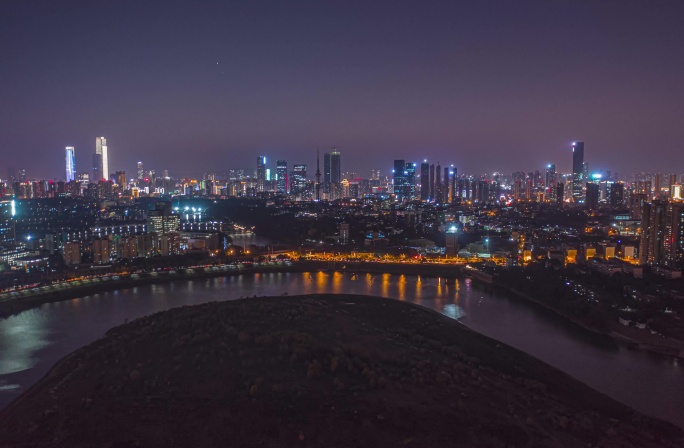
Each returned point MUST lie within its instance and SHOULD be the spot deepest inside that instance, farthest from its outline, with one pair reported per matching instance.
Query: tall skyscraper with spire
(101, 160)
(70, 164)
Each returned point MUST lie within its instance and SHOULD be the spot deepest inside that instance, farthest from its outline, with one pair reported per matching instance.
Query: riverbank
(315, 370)
(633, 337)
(71, 290)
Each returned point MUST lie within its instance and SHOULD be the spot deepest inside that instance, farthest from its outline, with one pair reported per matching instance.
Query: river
(33, 340)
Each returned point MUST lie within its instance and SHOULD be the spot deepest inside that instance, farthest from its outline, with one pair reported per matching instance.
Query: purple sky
(487, 85)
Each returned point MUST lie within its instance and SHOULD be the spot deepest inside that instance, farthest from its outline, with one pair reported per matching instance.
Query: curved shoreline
(16, 305)
(13, 306)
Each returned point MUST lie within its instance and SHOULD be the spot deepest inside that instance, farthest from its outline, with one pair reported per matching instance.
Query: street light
(487, 244)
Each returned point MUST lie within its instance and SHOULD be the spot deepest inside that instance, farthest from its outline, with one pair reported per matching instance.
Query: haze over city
(488, 86)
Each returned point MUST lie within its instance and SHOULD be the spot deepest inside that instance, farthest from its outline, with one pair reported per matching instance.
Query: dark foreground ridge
(320, 370)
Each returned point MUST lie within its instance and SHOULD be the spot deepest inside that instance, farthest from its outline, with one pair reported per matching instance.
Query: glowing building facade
(70, 164)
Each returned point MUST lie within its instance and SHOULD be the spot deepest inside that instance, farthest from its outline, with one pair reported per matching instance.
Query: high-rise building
(281, 176)
(410, 173)
(652, 223)
(101, 149)
(261, 173)
(298, 179)
(432, 182)
(332, 171)
(673, 243)
(120, 177)
(438, 184)
(141, 171)
(676, 191)
(549, 182)
(70, 164)
(662, 234)
(71, 252)
(592, 196)
(616, 195)
(658, 185)
(453, 173)
(560, 189)
(577, 170)
(97, 168)
(425, 181)
(101, 250)
(404, 180)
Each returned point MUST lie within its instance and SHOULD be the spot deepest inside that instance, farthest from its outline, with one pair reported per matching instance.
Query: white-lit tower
(101, 149)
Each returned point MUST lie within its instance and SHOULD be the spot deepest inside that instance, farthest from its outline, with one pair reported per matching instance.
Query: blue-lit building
(404, 180)
(70, 164)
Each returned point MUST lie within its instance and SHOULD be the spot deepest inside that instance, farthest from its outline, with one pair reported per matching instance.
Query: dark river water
(33, 340)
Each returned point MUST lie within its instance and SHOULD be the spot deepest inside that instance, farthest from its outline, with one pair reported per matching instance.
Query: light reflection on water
(21, 336)
(32, 341)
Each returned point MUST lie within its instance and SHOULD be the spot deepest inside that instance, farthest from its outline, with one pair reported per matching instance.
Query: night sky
(206, 86)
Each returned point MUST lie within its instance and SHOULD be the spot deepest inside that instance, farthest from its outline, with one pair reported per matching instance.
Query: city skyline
(263, 170)
(484, 85)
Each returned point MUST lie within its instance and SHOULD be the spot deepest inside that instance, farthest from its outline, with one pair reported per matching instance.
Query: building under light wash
(298, 179)
(578, 177)
(102, 160)
(70, 164)
(141, 171)
(281, 176)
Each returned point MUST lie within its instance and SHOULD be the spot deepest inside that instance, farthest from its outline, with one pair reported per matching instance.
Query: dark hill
(328, 371)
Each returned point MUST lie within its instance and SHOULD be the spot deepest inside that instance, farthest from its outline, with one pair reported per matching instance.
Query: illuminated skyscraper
(550, 183)
(261, 173)
(411, 180)
(281, 176)
(425, 181)
(141, 171)
(298, 179)
(101, 149)
(332, 172)
(70, 164)
(577, 170)
(404, 180)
